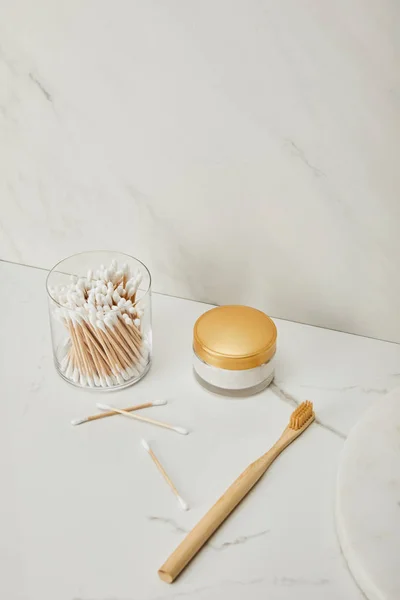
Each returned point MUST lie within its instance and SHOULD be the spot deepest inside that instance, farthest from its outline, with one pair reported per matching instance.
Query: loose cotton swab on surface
(159, 466)
(180, 430)
(112, 413)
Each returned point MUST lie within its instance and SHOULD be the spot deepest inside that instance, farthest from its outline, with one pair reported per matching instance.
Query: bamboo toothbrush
(112, 413)
(120, 411)
(159, 466)
(300, 419)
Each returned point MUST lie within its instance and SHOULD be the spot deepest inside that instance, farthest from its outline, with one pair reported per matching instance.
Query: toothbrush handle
(204, 529)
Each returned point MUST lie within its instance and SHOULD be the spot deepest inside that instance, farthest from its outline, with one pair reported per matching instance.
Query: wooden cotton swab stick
(180, 430)
(112, 413)
(159, 466)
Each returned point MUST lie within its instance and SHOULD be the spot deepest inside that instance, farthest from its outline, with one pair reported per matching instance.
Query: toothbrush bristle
(303, 413)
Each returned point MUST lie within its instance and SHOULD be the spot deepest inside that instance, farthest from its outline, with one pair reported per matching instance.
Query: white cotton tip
(103, 382)
(159, 402)
(114, 265)
(75, 375)
(101, 325)
(144, 351)
(129, 374)
(120, 379)
(184, 505)
(64, 363)
(136, 322)
(132, 372)
(108, 321)
(116, 297)
(82, 380)
(109, 381)
(80, 316)
(142, 361)
(69, 372)
(96, 379)
(104, 406)
(124, 375)
(181, 430)
(145, 445)
(78, 421)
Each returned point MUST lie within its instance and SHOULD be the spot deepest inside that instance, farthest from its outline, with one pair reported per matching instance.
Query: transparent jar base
(243, 393)
(113, 388)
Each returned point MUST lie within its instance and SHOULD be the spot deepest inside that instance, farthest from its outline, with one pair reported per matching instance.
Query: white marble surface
(85, 516)
(368, 500)
(247, 151)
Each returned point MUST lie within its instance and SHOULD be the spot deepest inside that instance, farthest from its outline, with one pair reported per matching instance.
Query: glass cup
(100, 318)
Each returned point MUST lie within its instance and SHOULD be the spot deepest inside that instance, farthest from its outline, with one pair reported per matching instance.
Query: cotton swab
(108, 342)
(159, 466)
(111, 413)
(120, 411)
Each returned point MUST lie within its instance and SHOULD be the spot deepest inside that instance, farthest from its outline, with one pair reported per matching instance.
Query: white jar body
(233, 382)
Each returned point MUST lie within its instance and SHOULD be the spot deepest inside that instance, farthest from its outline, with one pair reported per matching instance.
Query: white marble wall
(247, 150)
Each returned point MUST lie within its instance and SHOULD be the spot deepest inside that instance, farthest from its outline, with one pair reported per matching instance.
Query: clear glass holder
(100, 319)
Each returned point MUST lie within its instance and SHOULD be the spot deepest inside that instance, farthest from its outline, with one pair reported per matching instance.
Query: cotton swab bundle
(112, 413)
(159, 466)
(180, 430)
(106, 346)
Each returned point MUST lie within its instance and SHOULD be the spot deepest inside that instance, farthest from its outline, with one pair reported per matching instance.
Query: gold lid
(234, 337)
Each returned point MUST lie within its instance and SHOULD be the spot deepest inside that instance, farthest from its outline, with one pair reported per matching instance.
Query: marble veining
(119, 521)
(289, 399)
(242, 539)
(249, 159)
(368, 488)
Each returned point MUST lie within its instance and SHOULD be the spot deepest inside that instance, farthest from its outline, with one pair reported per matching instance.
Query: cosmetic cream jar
(233, 350)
